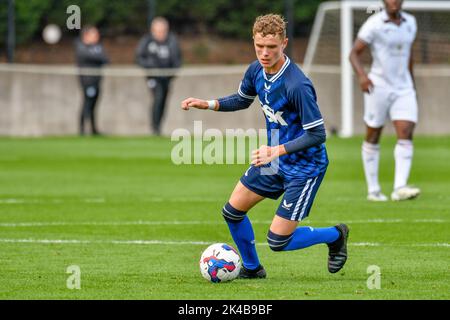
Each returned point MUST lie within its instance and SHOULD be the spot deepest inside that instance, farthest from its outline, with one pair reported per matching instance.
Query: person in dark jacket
(159, 49)
(89, 54)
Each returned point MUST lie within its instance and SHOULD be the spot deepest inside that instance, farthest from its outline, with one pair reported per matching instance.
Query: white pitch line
(198, 222)
(46, 241)
(135, 242)
(162, 242)
(436, 245)
(107, 223)
(41, 201)
(365, 244)
(100, 200)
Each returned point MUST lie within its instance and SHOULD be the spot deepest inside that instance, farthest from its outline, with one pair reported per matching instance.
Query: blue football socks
(242, 232)
(304, 237)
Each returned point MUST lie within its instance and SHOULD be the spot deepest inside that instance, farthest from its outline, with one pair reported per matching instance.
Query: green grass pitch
(108, 205)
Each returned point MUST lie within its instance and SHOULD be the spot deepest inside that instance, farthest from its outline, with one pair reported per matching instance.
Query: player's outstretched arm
(226, 104)
(199, 104)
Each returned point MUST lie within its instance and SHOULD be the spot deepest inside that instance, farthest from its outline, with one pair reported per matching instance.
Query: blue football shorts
(299, 192)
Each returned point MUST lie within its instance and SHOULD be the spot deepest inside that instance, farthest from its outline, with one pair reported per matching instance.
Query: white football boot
(405, 193)
(376, 196)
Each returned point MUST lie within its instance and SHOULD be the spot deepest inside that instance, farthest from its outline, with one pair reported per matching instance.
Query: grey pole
(11, 37)
(289, 15)
(151, 11)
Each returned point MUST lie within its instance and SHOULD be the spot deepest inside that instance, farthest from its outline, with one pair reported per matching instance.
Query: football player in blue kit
(294, 162)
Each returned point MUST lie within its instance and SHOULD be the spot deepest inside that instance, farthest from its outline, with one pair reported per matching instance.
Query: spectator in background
(89, 54)
(158, 49)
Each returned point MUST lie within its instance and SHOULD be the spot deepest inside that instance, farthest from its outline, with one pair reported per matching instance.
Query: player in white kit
(389, 91)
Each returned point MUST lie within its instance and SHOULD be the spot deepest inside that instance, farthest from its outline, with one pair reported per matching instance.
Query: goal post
(334, 31)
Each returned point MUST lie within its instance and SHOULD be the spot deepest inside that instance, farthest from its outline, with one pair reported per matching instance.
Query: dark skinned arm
(411, 67)
(355, 58)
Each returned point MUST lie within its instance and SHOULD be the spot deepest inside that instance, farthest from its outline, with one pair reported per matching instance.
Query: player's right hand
(366, 84)
(194, 103)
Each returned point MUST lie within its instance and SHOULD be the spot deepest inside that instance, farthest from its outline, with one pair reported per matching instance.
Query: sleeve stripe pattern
(243, 95)
(313, 124)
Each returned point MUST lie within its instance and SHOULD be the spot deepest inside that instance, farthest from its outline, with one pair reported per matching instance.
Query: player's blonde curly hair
(270, 24)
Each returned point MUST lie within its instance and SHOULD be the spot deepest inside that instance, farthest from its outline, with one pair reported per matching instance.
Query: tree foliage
(115, 17)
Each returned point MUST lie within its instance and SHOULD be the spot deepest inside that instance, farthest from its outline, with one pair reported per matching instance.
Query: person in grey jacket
(159, 49)
(89, 54)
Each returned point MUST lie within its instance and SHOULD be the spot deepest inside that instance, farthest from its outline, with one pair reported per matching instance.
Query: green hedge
(220, 17)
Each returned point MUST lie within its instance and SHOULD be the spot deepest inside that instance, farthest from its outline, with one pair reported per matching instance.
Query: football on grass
(220, 262)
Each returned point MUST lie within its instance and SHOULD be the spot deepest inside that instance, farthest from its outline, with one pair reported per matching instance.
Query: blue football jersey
(289, 103)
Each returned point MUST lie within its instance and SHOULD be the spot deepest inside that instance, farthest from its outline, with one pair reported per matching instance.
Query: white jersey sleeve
(367, 31)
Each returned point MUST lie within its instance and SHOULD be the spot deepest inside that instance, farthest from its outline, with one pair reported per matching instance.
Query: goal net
(326, 61)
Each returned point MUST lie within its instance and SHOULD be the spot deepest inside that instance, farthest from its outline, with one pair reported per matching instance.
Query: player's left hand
(266, 154)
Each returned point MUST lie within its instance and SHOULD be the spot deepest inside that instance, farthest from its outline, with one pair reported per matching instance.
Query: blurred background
(215, 31)
(210, 31)
(40, 92)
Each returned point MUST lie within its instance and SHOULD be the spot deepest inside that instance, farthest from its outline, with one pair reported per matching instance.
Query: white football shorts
(382, 103)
